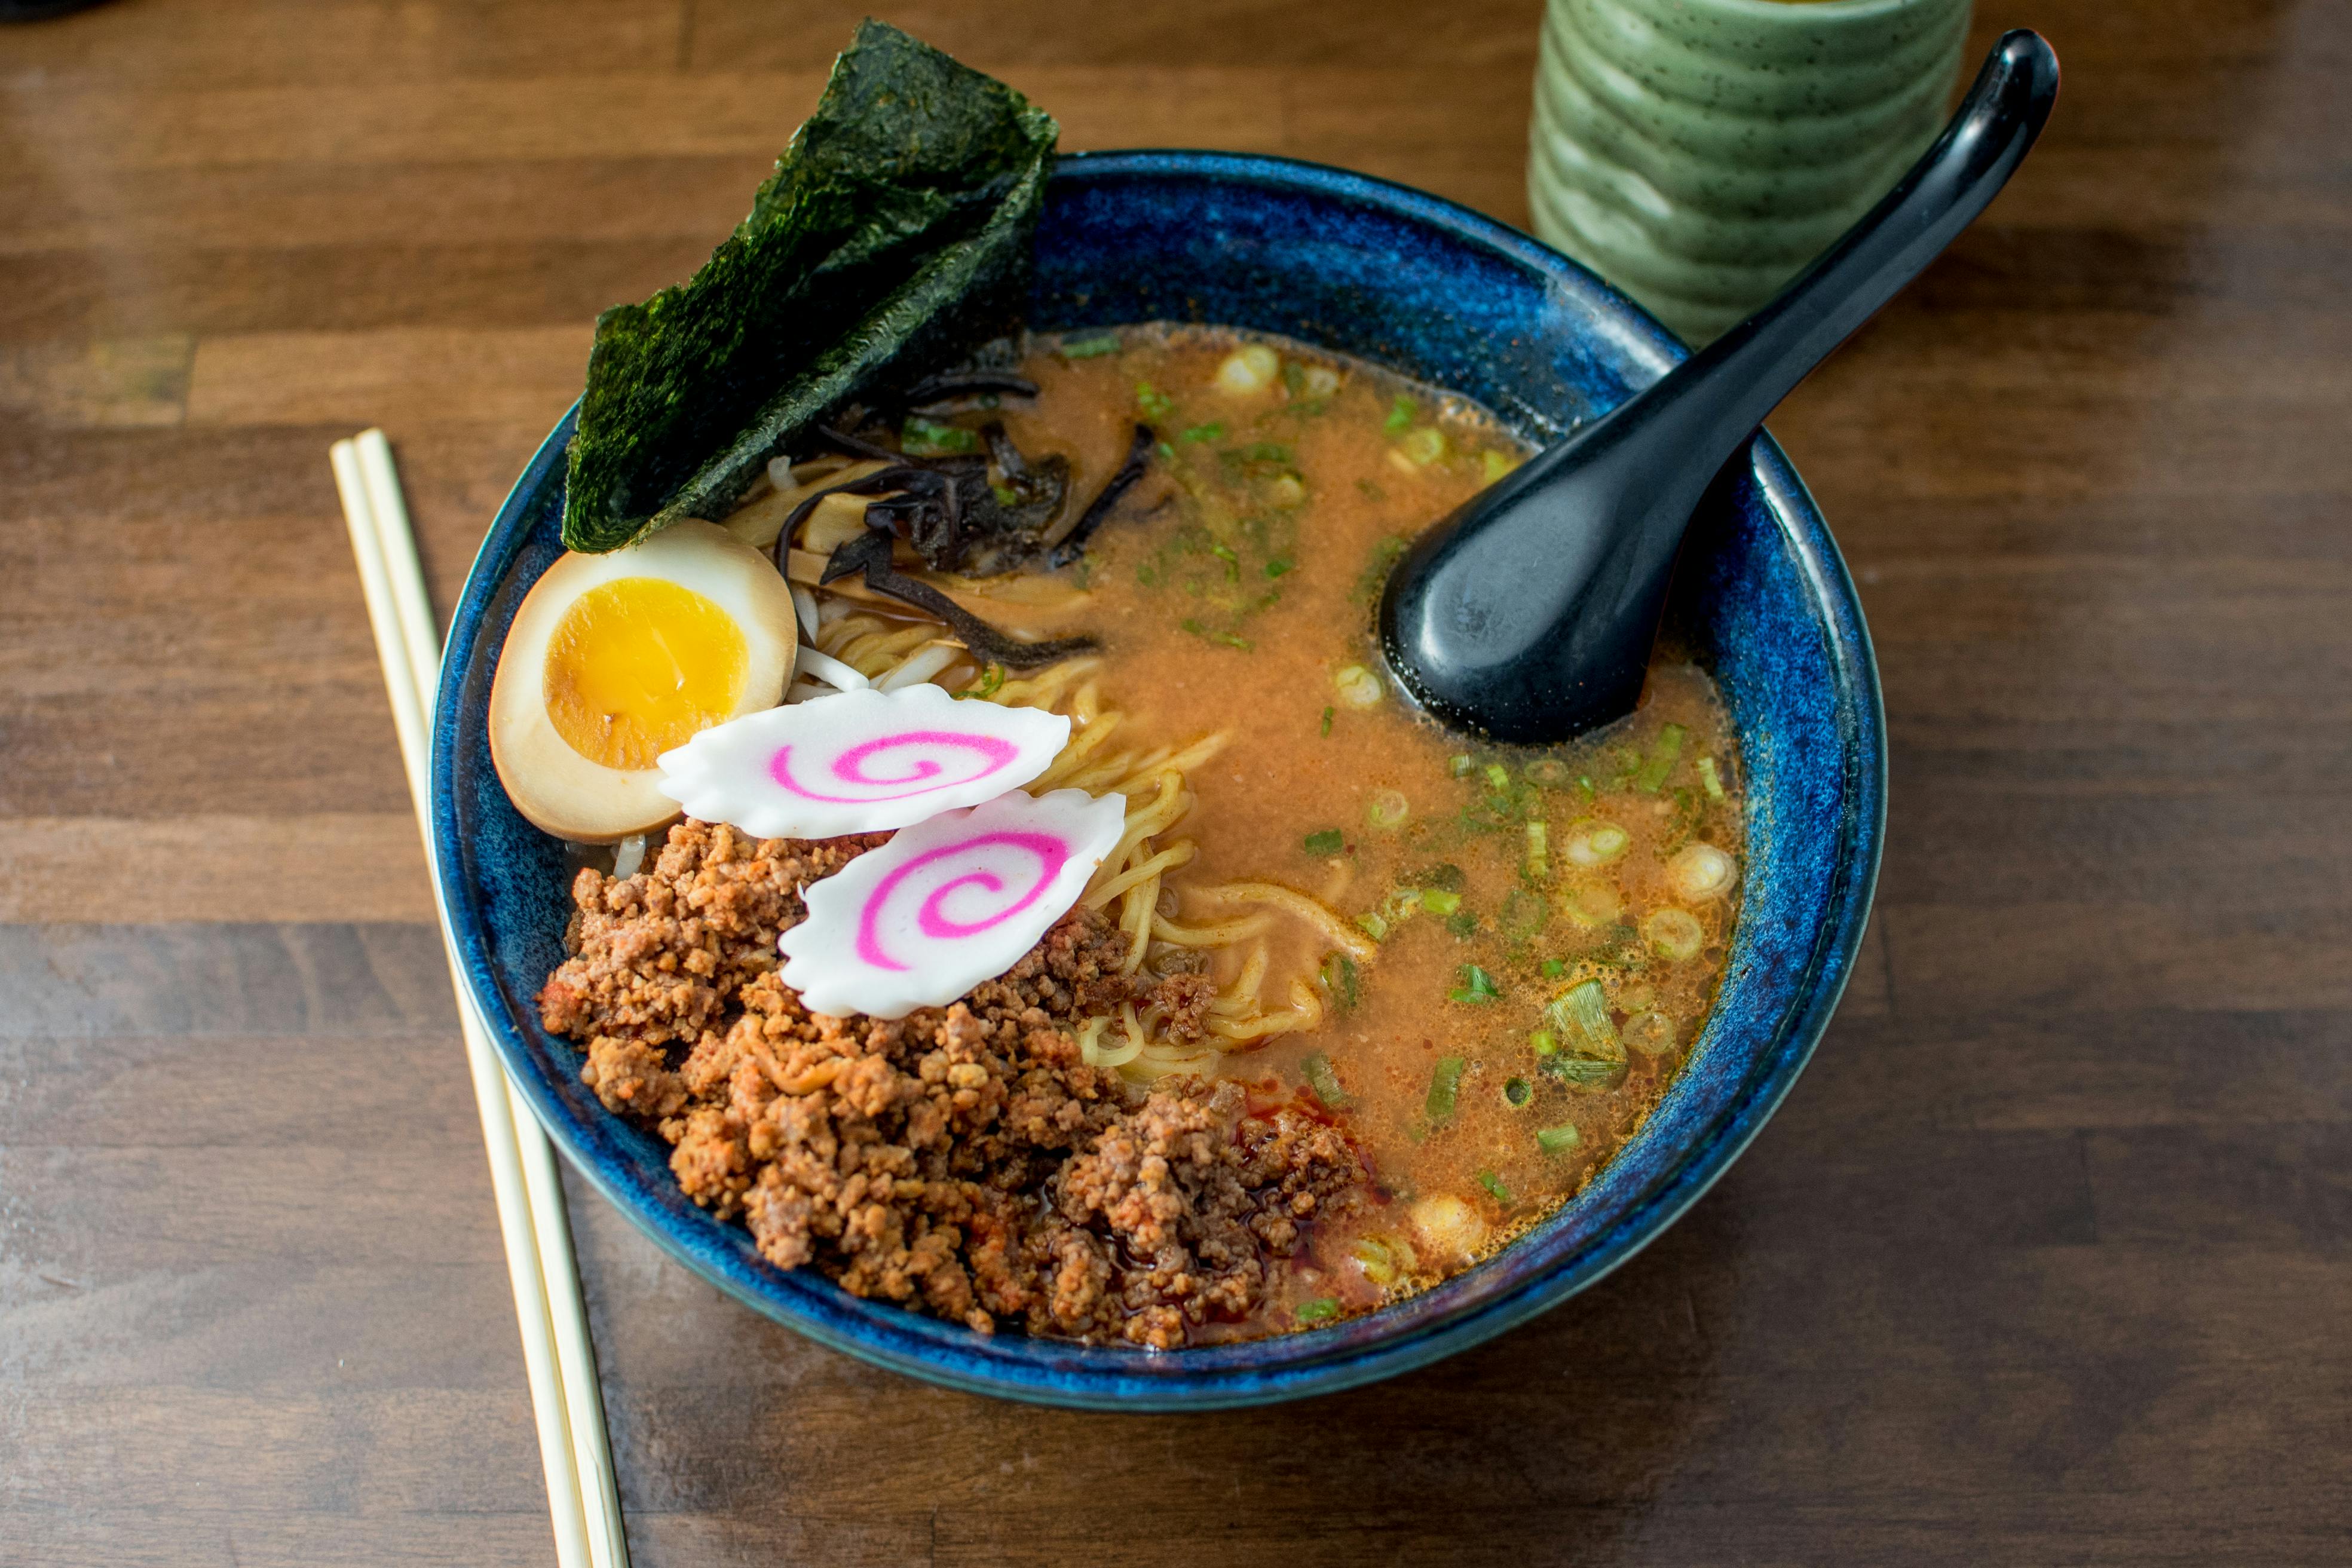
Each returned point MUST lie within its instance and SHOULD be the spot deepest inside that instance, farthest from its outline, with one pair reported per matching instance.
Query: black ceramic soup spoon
(1527, 614)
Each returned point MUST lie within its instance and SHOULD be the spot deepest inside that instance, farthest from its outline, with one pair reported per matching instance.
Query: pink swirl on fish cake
(848, 767)
(859, 761)
(947, 903)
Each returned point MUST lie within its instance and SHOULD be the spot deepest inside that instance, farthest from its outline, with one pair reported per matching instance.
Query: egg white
(572, 797)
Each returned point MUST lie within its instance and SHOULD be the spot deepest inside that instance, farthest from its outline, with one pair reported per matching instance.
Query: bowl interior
(1417, 284)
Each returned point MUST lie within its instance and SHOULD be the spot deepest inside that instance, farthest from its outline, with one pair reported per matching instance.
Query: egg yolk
(638, 666)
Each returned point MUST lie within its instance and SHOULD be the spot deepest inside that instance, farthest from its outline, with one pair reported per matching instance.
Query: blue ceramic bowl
(1444, 295)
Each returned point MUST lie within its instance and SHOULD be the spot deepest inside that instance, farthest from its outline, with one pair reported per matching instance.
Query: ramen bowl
(1444, 295)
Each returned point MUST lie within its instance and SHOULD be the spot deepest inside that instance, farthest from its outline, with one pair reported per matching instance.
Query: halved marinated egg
(613, 659)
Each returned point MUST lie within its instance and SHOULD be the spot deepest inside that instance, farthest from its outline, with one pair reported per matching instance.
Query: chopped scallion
(1326, 842)
(928, 438)
(1661, 762)
(1477, 985)
(1091, 346)
(1580, 1014)
(1323, 1081)
(1460, 764)
(1538, 865)
(1463, 924)
(1499, 776)
(1373, 925)
(1542, 1043)
(1386, 808)
(1445, 1086)
(1524, 914)
(1557, 1140)
(1422, 445)
(1518, 1092)
(1340, 978)
(1358, 687)
(1156, 404)
(1675, 933)
(1317, 1310)
(1402, 904)
(1212, 431)
(1438, 902)
(1707, 776)
(1400, 414)
(1495, 1188)
(1553, 968)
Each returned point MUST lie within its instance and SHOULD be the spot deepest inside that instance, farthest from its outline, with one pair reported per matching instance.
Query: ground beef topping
(961, 1160)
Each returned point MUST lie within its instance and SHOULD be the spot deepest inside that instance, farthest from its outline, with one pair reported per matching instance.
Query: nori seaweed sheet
(895, 233)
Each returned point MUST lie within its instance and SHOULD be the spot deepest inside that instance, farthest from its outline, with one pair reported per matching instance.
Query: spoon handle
(1727, 388)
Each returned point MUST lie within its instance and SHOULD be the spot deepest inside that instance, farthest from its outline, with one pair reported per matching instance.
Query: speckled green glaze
(1698, 152)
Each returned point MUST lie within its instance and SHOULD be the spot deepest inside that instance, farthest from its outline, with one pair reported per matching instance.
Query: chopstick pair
(558, 1358)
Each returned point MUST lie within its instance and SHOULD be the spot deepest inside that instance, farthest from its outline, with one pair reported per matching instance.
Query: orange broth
(1231, 590)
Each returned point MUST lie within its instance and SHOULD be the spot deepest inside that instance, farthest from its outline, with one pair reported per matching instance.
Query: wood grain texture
(2045, 1260)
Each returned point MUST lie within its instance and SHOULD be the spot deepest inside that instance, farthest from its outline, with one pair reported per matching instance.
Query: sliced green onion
(1402, 904)
(1090, 346)
(1590, 904)
(1542, 1042)
(1498, 464)
(1326, 720)
(928, 438)
(1400, 414)
(1463, 924)
(1523, 916)
(1477, 985)
(1422, 445)
(1359, 688)
(1373, 925)
(1249, 368)
(1212, 431)
(1280, 565)
(1581, 1014)
(1325, 842)
(1661, 762)
(1444, 1085)
(1340, 978)
(1675, 933)
(1537, 864)
(1155, 404)
(1552, 968)
(1438, 902)
(1707, 776)
(1518, 1092)
(1594, 1056)
(1651, 1033)
(1699, 871)
(1556, 1139)
(1386, 808)
(1445, 875)
(1595, 841)
(1548, 772)
(1324, 1081)
(1460, 764)
(1384, 1262)
(1316, 1310)
(1497, 776)
(1495, 1188)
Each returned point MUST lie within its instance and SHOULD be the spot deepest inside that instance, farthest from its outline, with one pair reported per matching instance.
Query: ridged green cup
(1698, 152)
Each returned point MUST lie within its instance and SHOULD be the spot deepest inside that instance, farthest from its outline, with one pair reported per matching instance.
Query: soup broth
(1237, 599)
(1466, 972)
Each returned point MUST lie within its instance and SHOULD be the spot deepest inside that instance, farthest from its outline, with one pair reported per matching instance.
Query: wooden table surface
(2047, 1259)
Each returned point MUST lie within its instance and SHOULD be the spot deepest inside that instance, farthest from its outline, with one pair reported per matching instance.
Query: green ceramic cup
(1697, 153)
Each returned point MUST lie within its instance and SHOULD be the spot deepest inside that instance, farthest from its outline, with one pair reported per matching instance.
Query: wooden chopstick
(559, 1360)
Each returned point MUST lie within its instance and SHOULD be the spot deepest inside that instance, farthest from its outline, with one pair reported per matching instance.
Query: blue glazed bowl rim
(1293, 1365)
